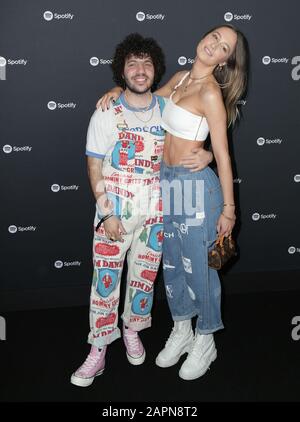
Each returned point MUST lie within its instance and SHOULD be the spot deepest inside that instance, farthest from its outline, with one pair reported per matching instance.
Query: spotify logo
(140, 16)
(55, 188)
(266, 60)
(52, 105)
(182, 60)
(7, 149)
(48, 16)
(228, 16)
(255, 216)
(12, 229)
(94, 61)
(260, 141)
(2, 61)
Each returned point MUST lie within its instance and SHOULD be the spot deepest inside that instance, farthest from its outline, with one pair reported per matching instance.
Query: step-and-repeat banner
(54, 65)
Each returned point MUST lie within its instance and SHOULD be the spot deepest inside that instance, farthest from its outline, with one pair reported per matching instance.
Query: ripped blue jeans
(192, 204)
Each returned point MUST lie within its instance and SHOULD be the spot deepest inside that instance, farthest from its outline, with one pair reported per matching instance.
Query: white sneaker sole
(203, 371)
(84, 382)
(136, 361)
(172, 362)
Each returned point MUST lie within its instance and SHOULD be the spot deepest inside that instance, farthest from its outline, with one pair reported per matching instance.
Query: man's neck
(138, 100)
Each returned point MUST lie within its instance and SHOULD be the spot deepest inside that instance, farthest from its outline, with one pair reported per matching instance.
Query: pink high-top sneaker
(91, 368)
(134, 347)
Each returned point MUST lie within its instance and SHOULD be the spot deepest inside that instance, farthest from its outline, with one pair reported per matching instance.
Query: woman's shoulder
(212, 100)
(211, 91)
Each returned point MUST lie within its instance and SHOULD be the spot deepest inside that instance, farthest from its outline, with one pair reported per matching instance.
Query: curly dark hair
(136, 45)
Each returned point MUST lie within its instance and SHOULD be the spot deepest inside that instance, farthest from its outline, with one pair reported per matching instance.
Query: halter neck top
(182, 123)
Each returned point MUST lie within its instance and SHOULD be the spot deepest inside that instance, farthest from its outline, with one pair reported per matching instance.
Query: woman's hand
(197, 160)
(112, 95)
(225, 224)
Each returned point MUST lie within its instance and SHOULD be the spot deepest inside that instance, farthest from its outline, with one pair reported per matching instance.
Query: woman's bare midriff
(175, 148)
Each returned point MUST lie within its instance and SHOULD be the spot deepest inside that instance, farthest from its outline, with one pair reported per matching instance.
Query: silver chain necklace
(144, 121)
(142, 110)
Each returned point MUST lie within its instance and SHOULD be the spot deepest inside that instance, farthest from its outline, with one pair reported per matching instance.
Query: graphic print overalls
(132, 175)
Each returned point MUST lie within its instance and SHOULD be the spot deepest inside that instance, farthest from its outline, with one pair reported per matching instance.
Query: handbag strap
(220, 240)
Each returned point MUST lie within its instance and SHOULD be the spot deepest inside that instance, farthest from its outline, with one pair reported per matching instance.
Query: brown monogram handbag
(224, 248)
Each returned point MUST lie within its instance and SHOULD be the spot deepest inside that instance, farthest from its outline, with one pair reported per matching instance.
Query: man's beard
(131, 87)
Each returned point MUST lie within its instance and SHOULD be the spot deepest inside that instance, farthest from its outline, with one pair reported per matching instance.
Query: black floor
(258, 360)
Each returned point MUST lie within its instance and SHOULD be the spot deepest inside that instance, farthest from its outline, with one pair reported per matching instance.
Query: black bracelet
(106, 217)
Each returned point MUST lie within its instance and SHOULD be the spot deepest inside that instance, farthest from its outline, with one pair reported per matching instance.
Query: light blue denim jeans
(192, 203)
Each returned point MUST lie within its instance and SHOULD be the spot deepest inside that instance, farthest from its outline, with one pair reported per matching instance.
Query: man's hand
(114, 228)
(197, 160)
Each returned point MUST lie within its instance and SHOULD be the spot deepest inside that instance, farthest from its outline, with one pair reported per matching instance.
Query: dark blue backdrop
(46, 230)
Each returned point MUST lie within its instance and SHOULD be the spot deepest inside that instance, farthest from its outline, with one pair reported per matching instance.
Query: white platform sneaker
(179, 342)
(202, 354)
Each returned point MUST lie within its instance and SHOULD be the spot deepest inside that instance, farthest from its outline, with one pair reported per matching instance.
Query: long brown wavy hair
(233, 77)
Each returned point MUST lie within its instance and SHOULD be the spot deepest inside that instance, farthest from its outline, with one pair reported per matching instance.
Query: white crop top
(182, 123)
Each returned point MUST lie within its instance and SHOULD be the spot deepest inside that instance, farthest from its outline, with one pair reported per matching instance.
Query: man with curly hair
(124, 150)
